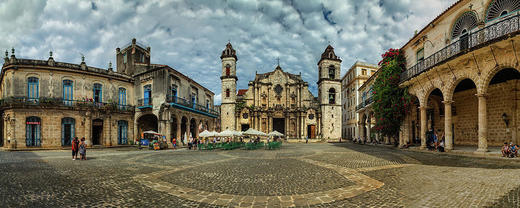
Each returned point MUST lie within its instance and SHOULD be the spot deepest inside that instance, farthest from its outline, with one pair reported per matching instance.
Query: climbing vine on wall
(390, 102)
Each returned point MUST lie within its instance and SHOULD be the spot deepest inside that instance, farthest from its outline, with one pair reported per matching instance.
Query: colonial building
(44, 103)
(351, 97)
(281, 101)
(366, 113)
(463, 70)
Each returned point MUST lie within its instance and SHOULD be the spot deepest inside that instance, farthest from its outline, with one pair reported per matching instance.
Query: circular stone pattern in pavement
(259, 177)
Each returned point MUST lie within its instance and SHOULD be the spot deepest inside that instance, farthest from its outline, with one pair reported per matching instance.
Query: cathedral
(281, 101)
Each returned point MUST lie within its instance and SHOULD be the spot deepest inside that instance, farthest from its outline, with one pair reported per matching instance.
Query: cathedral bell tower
(229, 88)
(329, 94)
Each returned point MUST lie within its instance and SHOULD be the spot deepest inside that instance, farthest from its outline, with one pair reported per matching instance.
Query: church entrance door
(311, 131)
(245, 127)
(279, 125)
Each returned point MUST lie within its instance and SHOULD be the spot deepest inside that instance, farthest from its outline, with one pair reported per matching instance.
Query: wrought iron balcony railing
(145, 103)
(364, 103)
(49, 102)
(360, 106)
(191, 105)
(369, 101)
(474, 40)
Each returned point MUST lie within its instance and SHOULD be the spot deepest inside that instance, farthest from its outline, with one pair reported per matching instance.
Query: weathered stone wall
(51, 126)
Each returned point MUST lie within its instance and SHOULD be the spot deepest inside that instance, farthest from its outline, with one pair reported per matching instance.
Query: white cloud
(190, 35)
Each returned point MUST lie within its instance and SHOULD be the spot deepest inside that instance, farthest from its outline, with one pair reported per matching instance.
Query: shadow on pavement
(426, 158)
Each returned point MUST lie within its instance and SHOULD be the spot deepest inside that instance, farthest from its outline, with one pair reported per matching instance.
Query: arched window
(332, 72)
(32, 131)
(33, 88)
(227, 93)
(122, 132)
(228, 70)
(98, 93)
(332, 96)
(67, 130)
(68, 91)
(465, 23)
(122, 97)
(501, 8)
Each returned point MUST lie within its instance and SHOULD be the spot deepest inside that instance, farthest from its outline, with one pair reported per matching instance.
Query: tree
(390, 102)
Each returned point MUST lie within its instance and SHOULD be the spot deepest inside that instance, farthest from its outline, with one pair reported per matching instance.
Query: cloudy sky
(190, 35)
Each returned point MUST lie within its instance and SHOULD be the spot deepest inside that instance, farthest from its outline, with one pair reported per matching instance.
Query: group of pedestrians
(79, 147)
(510, 150)
(193, 143)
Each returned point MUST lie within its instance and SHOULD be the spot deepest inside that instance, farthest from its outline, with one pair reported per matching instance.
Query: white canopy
(275, 133)
(150, 132)
(238, 133)
(206, 133)
(254, 132)
(214, 133)
(226, 133)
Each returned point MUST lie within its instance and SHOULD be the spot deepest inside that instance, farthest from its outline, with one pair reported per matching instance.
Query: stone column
(188, 129)
(448, 134)
(367, 138)
(178, 133)
(196, 129)
(362, 131)
(423, 127)
(482, 123)
(88, 127)
(108, 141)
(169, 133)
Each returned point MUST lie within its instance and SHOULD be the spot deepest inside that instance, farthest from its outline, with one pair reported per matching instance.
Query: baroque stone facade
(281, 101)
(44, 104)
(463, 70)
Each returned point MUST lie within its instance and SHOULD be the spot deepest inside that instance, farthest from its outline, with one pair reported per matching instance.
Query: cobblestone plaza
(297, 175)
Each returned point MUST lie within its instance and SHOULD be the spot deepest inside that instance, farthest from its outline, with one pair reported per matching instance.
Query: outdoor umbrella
(150, 132)
(276, 133)
(205, 133)
(238, 133)
(226, 133)
(253, 132)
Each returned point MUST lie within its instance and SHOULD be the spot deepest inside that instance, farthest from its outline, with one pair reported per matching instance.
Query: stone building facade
(351, 97)
(463, 71)
(44, 103)
(281, 101)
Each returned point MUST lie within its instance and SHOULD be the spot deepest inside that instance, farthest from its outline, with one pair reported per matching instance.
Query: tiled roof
(242, 92)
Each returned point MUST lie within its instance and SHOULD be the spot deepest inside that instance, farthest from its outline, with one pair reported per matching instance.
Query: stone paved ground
(301, 175)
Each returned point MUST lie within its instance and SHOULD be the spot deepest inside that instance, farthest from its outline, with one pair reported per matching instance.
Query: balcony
(369, 101)
(360, 106)
(46, 102)
(145, 103)
(474, 40)
(184, 104)
(364, 103)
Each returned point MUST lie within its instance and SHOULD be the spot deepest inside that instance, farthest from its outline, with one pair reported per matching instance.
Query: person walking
(83, 149)
(75, 146)
(306, 140)
(174, 142)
